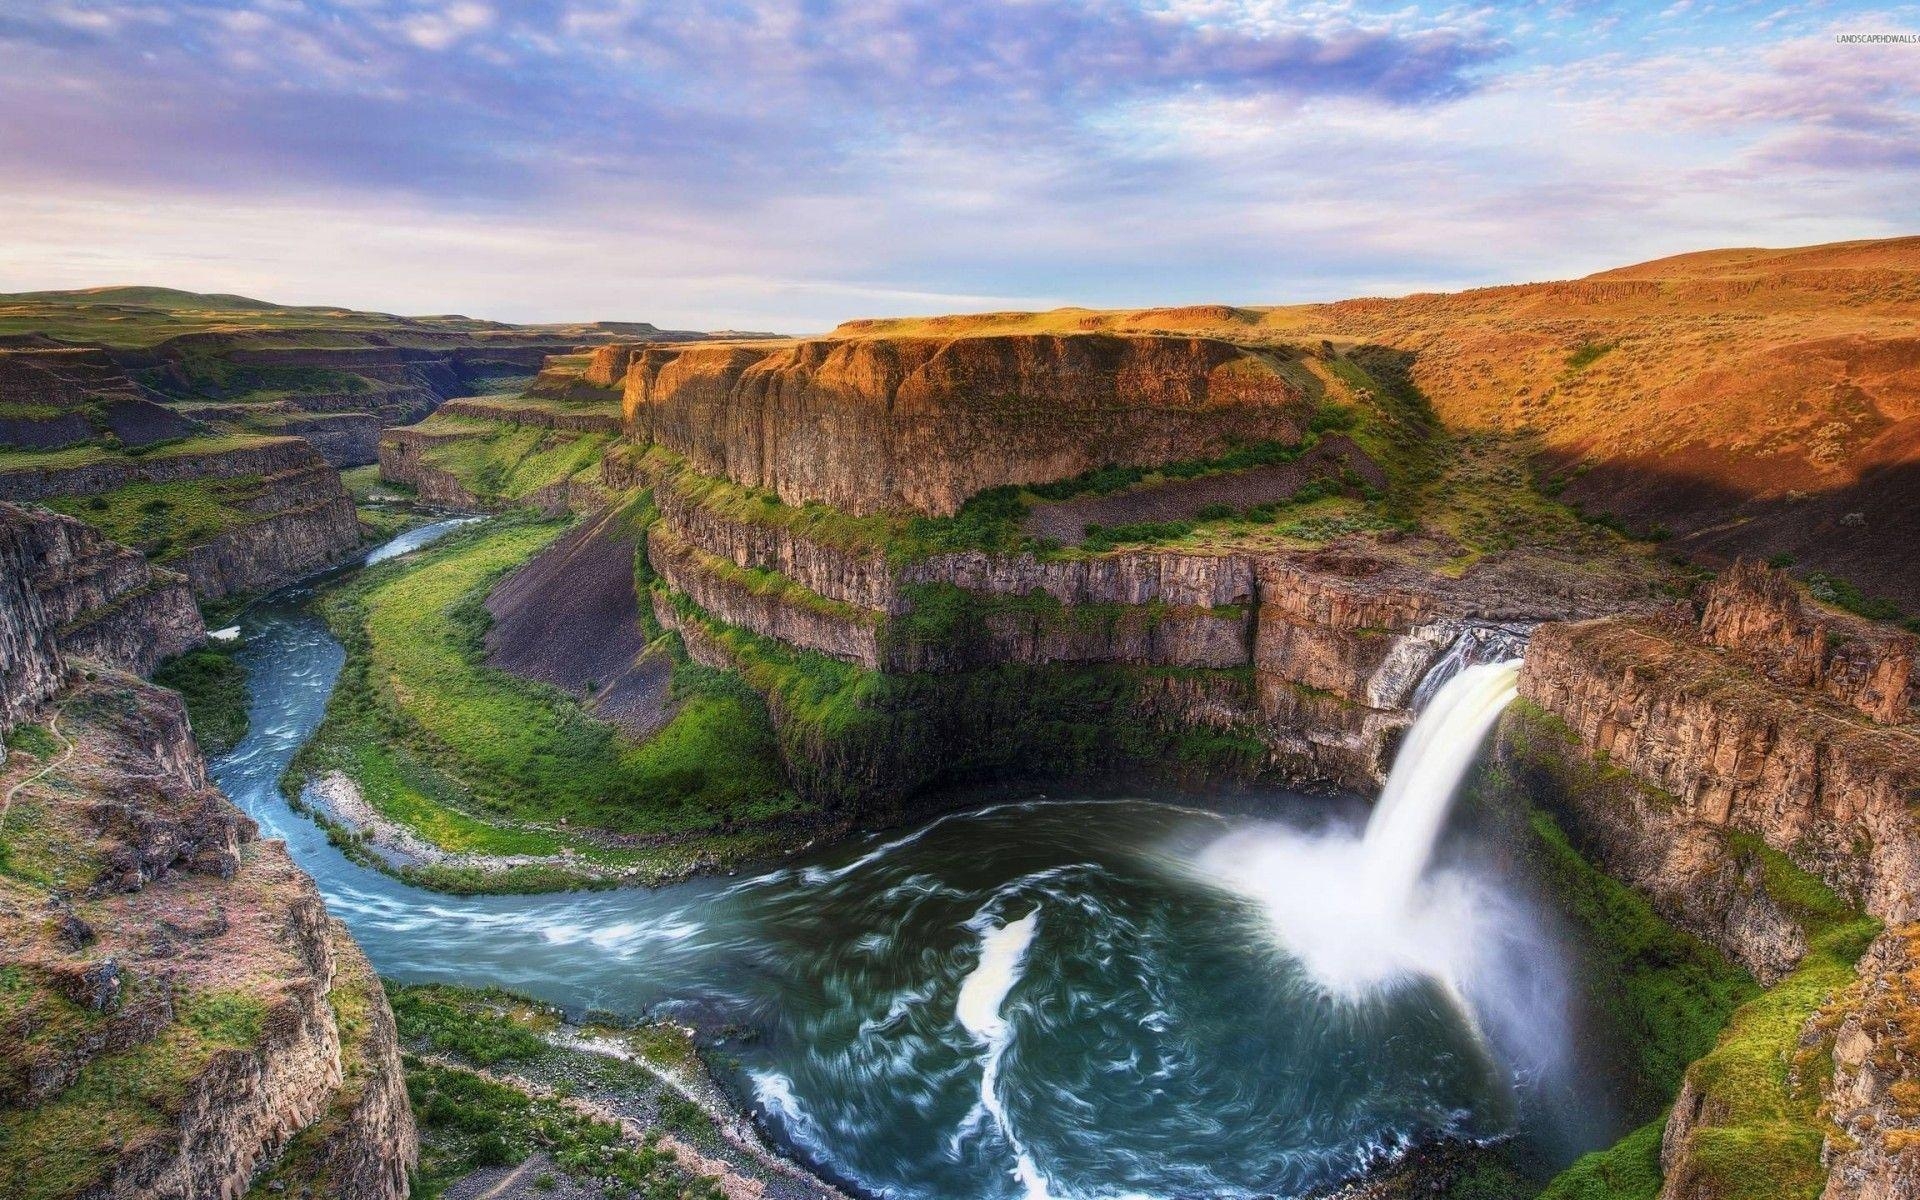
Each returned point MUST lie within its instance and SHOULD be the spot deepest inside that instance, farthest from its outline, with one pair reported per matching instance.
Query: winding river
(1047, 997)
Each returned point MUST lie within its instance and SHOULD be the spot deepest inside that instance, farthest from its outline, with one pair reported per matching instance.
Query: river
(1040, 997)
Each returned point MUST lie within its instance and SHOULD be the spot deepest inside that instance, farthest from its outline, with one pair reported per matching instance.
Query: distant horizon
(774, 164)
(453, 313)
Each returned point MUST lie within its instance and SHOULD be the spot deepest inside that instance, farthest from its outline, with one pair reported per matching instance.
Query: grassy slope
(479, 761)
(57, 1148)
(468, 1121)
(501, 463)
(1685, 1011)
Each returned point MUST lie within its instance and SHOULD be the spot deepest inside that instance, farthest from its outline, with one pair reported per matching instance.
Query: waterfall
(1473, 645)
(1351, 909)
(1427, 771)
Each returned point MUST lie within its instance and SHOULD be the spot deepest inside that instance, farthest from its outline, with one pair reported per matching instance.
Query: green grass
(501, 463)
(1627, 1170)
(480, 761)
(1761, 1085)
(485, 1028)
(61, 1147)
(468, 1122)
(88, 455)
(165, 520)
(37, 740)
(214, 685)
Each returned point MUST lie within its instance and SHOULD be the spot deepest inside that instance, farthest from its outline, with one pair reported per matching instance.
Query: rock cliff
(179, 1008)
(91, 598)
(283, 511)
(921, 424)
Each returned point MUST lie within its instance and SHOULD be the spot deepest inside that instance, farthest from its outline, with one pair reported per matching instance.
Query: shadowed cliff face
(1708, 756)
(922, 423)
(179, 1009)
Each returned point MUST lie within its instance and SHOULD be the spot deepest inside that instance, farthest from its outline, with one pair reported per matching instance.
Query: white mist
(1364, 912)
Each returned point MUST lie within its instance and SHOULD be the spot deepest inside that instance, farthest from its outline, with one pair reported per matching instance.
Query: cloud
(787, 163)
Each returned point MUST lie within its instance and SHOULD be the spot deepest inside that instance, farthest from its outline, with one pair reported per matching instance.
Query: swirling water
(1042, 997)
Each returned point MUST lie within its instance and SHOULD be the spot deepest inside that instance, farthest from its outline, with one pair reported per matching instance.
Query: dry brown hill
(1745, 401)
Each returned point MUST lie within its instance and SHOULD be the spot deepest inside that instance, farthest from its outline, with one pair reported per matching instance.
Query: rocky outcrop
(66, 593)
(403, 461)
(292, 517)
(488, 467)
(1874, 1098)
(1761, 617)
(183, 987)
(59, 396)
(1707, 756)
(344, 439)
(1642, 837)
(102, 601)
(922, 424)
(1692, 718)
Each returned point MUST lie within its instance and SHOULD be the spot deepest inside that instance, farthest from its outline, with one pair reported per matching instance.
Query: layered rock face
(298, 518)
(1689, 710)
(921, 424)
(52, 397)
(180, 1009)
(89, 597)
(1315, 655)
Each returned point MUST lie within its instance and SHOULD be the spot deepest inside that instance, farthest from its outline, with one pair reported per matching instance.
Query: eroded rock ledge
(924, 423)
(176, 1007)
(299, 520)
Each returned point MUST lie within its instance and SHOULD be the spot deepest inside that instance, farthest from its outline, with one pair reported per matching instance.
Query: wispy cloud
(796, 161)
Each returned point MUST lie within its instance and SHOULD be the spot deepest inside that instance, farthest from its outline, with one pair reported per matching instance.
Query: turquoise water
(1039, 997)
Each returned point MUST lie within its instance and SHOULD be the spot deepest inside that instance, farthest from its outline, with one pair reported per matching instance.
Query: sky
(788, 164)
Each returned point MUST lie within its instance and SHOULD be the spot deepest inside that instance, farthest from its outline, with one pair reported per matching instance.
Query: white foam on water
(1364, 912)
(230, 634)
(983, 993)
(774, 1093)
(1359, 912)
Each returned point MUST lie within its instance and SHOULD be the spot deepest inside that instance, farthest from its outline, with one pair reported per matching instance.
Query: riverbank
(513, 1092)
(459, 777)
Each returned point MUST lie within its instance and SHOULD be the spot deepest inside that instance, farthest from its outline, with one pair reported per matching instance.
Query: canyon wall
(1314, 654)
(921, 424)
(1707, 753)
(181, 1012)
(288, 514)
(1691, 708)
(90, 597)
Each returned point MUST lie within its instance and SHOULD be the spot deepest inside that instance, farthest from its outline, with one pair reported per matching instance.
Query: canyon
(737, 597)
